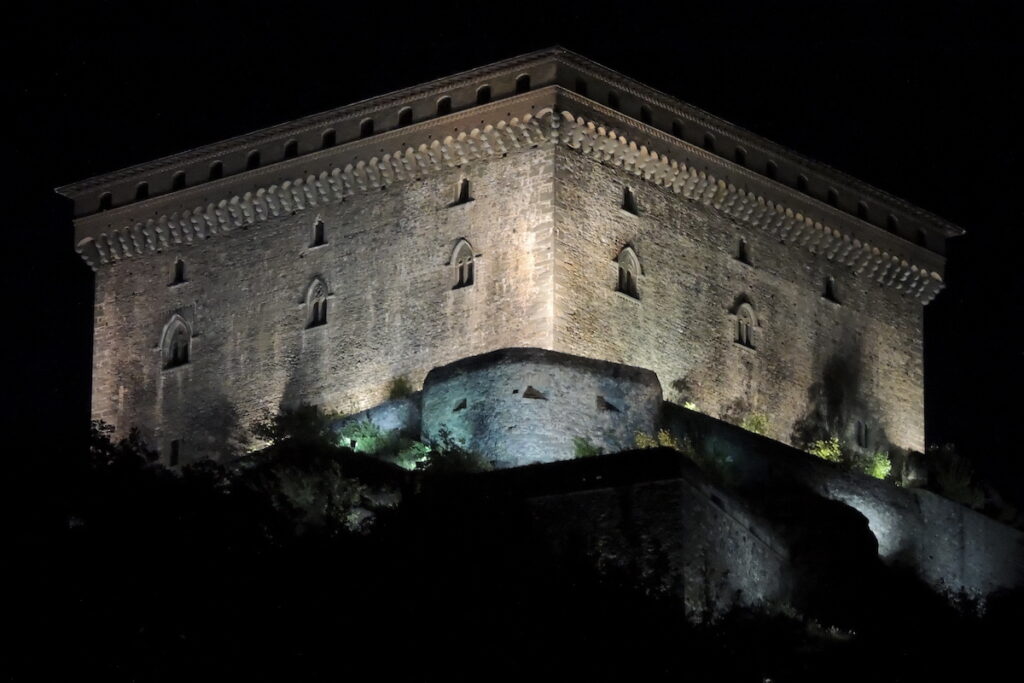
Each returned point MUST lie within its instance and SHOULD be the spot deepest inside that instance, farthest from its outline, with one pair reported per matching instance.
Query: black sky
(924, 103)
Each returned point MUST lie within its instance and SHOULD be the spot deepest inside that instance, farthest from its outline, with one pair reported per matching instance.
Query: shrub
(305, 424)
(756, 422)
(585, 449)
(449, 456)
(399, 388)
(367, 436)
(663, 439)
(877, 465)
(830, 449)
(690, 405)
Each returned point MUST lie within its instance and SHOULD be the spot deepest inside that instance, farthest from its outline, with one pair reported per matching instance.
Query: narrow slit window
(253, 160)
(892, 224)
(329, 138)
(743, 253)
(483, 94)
(291, 150)
(833, 197)
(830, 289)
(319, 236)
(174, 457)
(740, 156)
(462, 195)
(444, 106)
(179, 181)
(801, 183)
(709, 142)
(629, 202)
(861, 432)
(862, 210)
(142, 191)
(771, 169)
(921, 238)
(179, 272)
(405, 117)
(216, 170)
(106, 201)
(366, 128)
(523, 84)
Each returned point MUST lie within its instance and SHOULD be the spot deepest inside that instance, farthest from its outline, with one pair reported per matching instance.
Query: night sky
(925, 106)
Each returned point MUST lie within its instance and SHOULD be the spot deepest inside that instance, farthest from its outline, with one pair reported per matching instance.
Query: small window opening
(921, 238)
(253, 161)
(464, 266)
(678, 130)
(861, 432)
(892, 224)
(801, 183)
(444, 106)
(176, 349)
(533, 393)
(830, 289)
(462, 196)
(483, 94)
(833, 197)
(740, 156)
(216, 170)
(862, 210)
(629, 268)
(581, 87)
(179, 181)
(461, 405)
(179, 272)
(645, 115)
(175, 456)
(743, 253)
(709, 142)
(142, 191)
(329, 138)
(613, 100)
(745, 326)
(291, 149)
(316, 304)
(523, 84)
(366, 128)
(603, 404)
(629, 202)
(771, 169)
(106, 201)
(318, 233)
(404, 117)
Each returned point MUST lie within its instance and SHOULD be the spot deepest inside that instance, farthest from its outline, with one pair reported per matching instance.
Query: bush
(305, 424)
(448, 456)
(877, 465)
(756, 422)
(585, 449)
(399, 388)
(663, 439)
(830, 449)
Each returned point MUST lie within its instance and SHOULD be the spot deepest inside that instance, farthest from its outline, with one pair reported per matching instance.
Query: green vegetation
(690, 405)
(399, 388)
(363, 436)
(450, 456)
(756, 422)
(830, 449)
(305, 424)
(663, 439)
(585, 449)
(877, 465)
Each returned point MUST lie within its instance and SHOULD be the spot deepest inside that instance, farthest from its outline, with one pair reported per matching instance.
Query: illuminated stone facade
(543, 202)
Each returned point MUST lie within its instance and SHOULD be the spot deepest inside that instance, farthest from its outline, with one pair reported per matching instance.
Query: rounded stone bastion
(520, 406)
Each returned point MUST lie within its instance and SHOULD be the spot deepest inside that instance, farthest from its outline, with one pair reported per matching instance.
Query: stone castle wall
(815, 363)
(523, 406)
(391, 308)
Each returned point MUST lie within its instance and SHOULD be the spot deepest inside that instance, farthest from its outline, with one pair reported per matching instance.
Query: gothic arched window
(629, 270)
(316, 304)
(462, 259)
(319, 233)
(745, 323)
(176, 345)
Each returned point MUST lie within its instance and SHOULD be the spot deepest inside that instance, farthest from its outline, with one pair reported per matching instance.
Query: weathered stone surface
(522, 406)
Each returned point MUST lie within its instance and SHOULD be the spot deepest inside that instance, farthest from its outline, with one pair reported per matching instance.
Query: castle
(543, 201)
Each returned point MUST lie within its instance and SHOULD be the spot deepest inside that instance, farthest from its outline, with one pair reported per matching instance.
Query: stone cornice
(911, 270)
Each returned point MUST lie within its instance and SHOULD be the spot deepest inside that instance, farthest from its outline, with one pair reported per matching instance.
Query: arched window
(216, 170)
(316, 304)
(178, 277)
(176, 343)
(629, 271)
(629, 202)
(462, 259)
(613, 100)
(645, 114)
(291, 149)
(404, 116)
(462, 195)
(740, 156)
(253, 160)
(678, 130)
(830, 289)
(921, 238)
(771, 169)
(743, 253)
(892, 224)
(801, 183)
(319, 236)
(745, 323)
(106, 201)
(862, 210)
(861, 433)
(444, 106)
(709, 142)
(142, 191)
(523, 84)
(833, 196)
(483, 94)
(178, 183)
(366, 128)
(329, 138)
